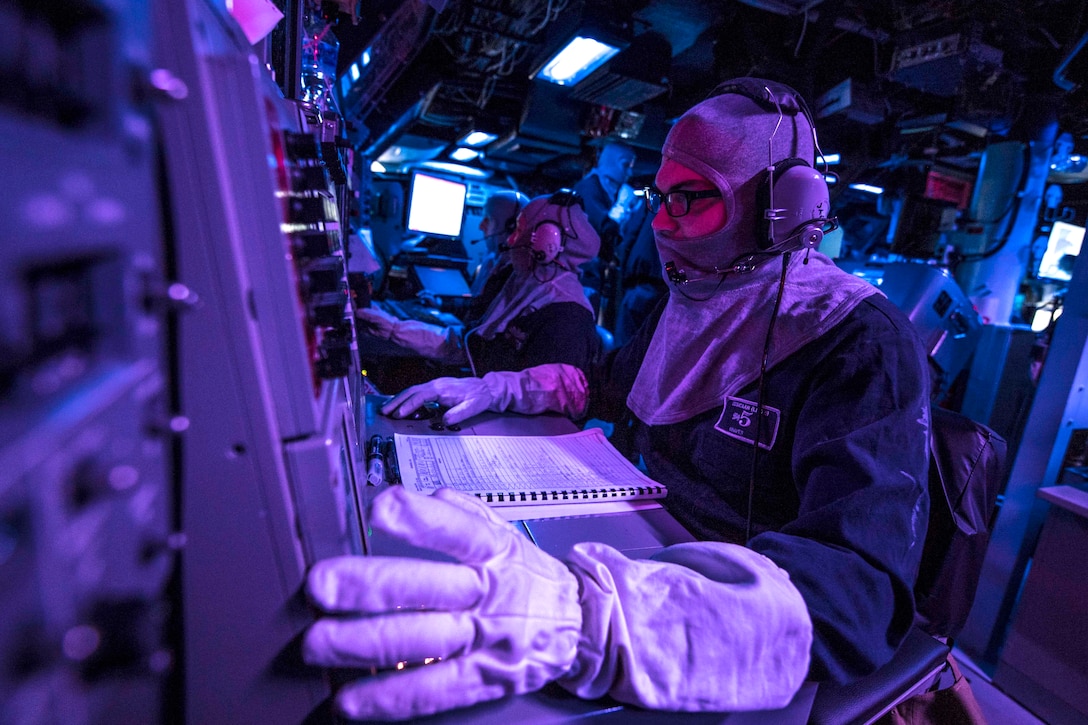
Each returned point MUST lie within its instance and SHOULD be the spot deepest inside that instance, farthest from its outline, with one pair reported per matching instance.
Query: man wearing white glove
(782, 402)
(505, 618)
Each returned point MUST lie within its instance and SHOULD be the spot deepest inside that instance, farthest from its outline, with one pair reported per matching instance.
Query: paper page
(583, 462)
(522, 512)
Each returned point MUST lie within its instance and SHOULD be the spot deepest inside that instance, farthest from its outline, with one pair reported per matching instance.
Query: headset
(512, 222)
(546, 239)
(795, 212)
(793, 194)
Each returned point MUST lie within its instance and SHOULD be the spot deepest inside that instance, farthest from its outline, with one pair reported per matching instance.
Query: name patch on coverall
(738, 420)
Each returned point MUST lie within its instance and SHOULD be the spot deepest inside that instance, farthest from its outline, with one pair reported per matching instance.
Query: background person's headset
(546, 239)
(512, 222)
(793, 197)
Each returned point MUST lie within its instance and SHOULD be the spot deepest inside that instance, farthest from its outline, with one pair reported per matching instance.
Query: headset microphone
(807, 237)
(676, 276)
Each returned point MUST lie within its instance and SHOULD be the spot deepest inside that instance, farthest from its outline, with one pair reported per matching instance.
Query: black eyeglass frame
(655, 197)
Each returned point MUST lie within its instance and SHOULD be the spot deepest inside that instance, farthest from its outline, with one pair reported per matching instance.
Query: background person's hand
(376, 322)
(428, 340)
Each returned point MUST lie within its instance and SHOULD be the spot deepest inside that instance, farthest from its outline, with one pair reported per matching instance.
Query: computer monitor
(919, 224)
(436, 205)
(1063, 243)
(441, 281)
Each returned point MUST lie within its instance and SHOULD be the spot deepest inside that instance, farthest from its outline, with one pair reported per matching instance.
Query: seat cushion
(915, 662)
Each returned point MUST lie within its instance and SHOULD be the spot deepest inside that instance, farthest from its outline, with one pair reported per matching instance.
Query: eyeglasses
(677, 203)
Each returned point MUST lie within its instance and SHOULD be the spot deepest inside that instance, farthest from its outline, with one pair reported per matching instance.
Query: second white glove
(431, 341)
(555, 387)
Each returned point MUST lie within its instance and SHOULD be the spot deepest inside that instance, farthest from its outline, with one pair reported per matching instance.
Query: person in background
(539, 315)
(639, 283)
(784, 404)
(497, 225)
(499, 221)
(601, 189)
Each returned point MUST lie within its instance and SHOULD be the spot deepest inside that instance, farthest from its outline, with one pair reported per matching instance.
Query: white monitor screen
(1063, 244)
(436, 205)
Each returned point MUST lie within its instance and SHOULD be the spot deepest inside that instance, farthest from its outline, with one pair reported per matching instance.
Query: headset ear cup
(763, 200)
(546, 242)
(800, 197)
(512, 222)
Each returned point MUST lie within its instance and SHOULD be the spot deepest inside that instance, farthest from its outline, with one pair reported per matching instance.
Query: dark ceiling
(438, 68)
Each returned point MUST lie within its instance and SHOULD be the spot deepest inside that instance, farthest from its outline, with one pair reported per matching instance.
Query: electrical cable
(759, 394)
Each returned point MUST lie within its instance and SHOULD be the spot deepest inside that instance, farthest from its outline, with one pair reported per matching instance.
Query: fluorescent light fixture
(464, 154)
(366, 57)
(1043, 317)
(377, 167)
(456, 169)
(831, 179)
(867, 187)
(355, 72)
(476, 139)
(412, 149)
(577, 59)
(829, 159)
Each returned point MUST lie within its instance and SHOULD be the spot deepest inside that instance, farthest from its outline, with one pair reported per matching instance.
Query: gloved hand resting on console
(556, 387)
(431, 341)
(708, 627)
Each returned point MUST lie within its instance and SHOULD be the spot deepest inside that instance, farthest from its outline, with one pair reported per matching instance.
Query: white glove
(705, 627)
(556, 387)
(376, 322)
(431, 341)
(504, 621)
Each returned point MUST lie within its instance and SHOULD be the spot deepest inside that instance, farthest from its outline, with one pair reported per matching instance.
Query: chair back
(966, 470)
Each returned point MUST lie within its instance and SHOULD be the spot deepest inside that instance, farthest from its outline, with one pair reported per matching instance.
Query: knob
(310, 210)
(361, 288)
(335, 166)
(311, 245)
(308, 178)
(323, 275)
(302, 146)
(335, 358)
(93, 478)
(117, 636)
(327, 310)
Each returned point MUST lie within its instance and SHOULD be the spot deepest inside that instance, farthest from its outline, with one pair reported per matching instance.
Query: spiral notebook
(523, 470)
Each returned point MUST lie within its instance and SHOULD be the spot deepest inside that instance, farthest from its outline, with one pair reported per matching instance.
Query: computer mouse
(426, 411)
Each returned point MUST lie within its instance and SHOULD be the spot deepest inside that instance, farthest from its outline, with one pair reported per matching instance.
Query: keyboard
(413, 310)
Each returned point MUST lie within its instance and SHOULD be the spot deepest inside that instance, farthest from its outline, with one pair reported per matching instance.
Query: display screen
(442, 281)
(1062, 247)
(436, 205)
(919, 224)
